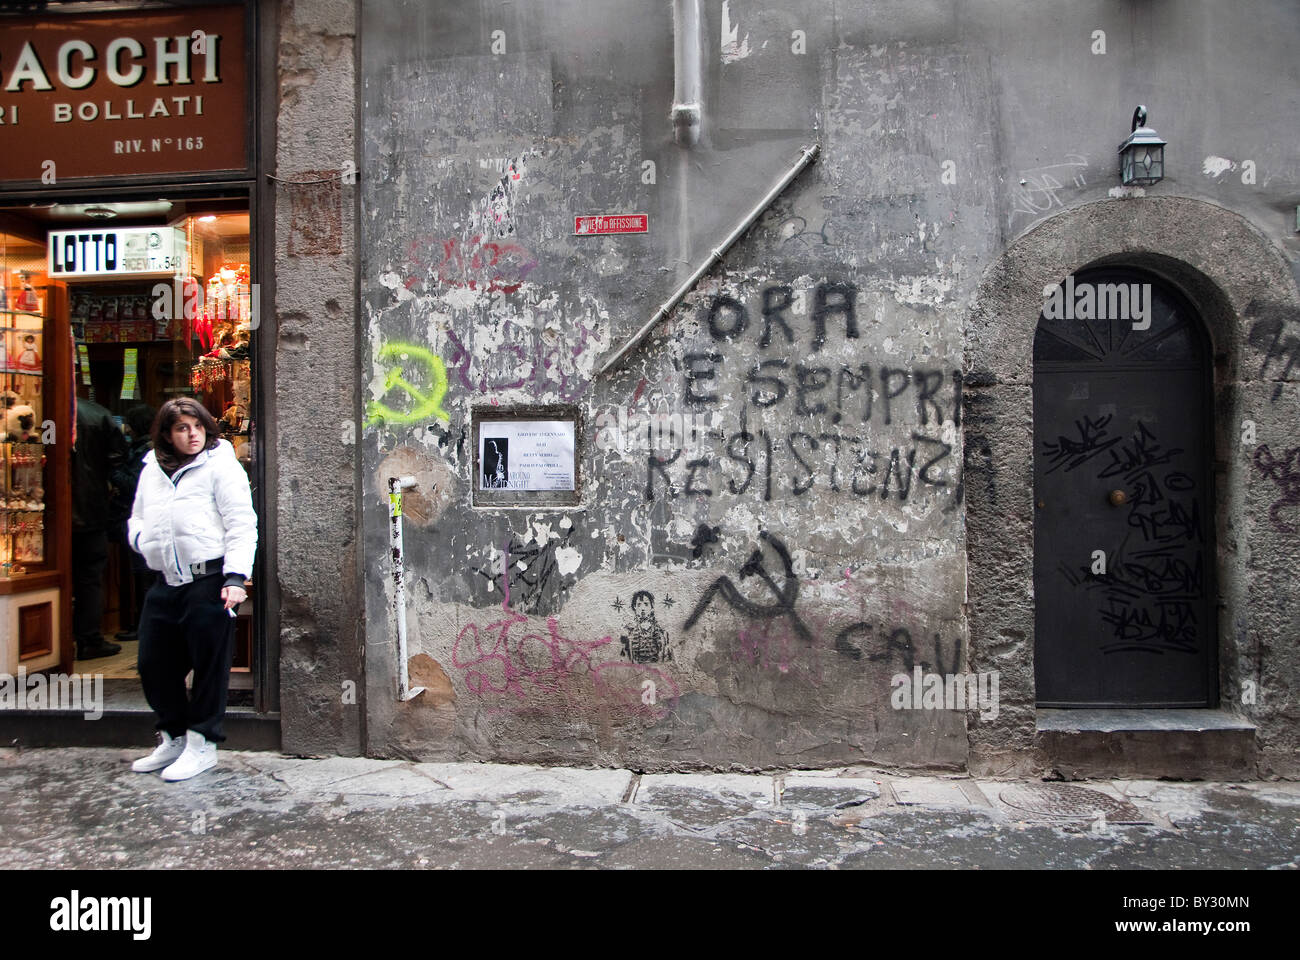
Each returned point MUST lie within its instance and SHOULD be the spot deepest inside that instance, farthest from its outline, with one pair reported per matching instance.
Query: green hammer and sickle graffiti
(427, 404)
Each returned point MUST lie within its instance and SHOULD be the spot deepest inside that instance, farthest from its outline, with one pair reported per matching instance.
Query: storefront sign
(125, 252)
(526, 455)
(615, 223)
(120, 94)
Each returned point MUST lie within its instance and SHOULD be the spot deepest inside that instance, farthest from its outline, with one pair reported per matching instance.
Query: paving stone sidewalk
(84, 808)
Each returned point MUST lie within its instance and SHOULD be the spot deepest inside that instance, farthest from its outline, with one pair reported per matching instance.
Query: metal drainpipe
(395, 487)
(687, 112)
(806, 156)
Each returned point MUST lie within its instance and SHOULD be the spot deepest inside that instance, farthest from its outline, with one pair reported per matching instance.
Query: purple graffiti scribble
(1285, 472)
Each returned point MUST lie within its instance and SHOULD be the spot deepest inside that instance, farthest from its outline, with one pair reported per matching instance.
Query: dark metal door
(1123, 533)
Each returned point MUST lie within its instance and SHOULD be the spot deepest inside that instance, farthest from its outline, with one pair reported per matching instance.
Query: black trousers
(89, 557)
(184, 628)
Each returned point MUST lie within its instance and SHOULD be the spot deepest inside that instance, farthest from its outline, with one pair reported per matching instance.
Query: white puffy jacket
(203, 511)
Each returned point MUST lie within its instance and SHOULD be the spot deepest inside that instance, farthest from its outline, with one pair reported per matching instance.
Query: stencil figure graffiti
(646, 641)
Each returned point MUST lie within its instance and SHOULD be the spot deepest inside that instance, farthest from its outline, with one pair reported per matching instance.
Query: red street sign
(614, 223)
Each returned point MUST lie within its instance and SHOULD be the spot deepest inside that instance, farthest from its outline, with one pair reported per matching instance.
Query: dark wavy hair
(140, 419)
(171, 412)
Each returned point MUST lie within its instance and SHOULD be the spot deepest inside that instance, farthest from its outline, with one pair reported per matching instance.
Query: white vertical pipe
(687, 112)
(395, 488)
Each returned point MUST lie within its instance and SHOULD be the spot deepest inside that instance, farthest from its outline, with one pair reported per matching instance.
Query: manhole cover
(1066, 802)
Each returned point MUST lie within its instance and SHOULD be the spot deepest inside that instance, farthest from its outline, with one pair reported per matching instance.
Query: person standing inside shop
(193, 522)
(139, 422)
(99, 450)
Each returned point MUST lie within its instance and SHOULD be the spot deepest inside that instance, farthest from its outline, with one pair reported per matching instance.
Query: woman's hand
(233, 596)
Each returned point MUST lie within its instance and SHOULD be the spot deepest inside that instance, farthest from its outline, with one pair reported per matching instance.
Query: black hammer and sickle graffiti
(786, 594)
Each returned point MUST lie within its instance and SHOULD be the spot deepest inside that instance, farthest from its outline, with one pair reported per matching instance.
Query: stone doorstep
(1116, 721)
(1182, 744)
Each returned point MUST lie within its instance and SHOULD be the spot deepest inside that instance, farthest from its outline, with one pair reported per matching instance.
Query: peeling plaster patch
(495, 213)
(435, 489)
(1214, 166)
(394, 283)
(462, 298)
(611, 263)
(800, 563)
(567, 560)
(516, 167)
(682, 528)
(921, 291)
(733, 48)
(428, 673)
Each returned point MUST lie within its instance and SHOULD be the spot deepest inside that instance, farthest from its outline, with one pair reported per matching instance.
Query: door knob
(1117, 498)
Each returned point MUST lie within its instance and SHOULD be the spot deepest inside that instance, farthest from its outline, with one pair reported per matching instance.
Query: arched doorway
(1124, 553)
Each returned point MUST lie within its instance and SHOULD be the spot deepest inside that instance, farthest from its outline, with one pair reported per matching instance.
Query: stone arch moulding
(1246, 293)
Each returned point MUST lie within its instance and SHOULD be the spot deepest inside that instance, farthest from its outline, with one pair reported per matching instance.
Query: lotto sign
(613, 223)
(127, 251)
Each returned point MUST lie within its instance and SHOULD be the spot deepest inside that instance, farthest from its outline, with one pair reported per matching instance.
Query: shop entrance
(1124, 506)
(110, 309)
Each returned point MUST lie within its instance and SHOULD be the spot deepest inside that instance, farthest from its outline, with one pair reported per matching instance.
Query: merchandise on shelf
(226, 311)
(20, 350)
(22, 454)
(27, 299)
(208, 372)
(29, 357)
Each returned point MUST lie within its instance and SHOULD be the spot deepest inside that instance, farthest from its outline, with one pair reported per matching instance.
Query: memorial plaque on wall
(526, 456)
(119, 94)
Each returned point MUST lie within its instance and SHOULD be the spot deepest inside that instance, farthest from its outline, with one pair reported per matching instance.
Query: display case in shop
(34, 489)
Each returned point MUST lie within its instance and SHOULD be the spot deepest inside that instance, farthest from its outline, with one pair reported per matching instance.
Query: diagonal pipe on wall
(806, 156)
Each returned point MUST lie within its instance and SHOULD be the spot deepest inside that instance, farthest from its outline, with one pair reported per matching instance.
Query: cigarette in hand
(231, 611)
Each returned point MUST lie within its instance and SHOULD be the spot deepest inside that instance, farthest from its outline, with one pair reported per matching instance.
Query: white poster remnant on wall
(526, 455)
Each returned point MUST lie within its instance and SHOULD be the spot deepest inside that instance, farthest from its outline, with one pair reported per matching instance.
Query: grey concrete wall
(315, 382)
(803, 528)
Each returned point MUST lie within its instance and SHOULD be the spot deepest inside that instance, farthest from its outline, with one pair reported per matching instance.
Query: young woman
(193, 522)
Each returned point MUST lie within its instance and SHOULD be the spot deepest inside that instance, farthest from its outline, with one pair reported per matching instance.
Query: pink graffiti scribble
(475, 263)
(508, 664)
(636, 687)
(506, 668)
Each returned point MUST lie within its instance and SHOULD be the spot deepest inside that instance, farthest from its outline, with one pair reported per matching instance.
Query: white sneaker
(199, 755)
(168, 749)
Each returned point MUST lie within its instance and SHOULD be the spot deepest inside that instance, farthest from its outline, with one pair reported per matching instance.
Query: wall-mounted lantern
(1142, 155)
